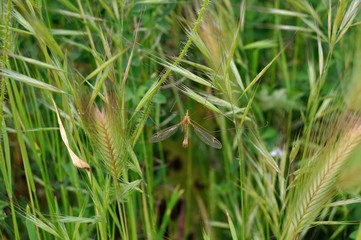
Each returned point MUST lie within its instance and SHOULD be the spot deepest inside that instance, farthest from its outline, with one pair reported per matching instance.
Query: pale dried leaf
(77, 162)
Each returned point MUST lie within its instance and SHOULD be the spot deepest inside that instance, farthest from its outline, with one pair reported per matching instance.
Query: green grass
(85, 85)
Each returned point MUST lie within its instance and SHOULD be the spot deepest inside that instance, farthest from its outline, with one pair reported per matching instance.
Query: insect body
(202, 134)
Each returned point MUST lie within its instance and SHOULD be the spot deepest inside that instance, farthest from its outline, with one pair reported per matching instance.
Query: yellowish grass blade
(77, 162)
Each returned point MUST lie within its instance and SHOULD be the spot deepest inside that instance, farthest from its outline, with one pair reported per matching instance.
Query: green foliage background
(85, 84)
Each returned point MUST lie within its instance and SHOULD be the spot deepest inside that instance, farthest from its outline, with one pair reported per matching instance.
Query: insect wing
(207, 138)
(164, 134)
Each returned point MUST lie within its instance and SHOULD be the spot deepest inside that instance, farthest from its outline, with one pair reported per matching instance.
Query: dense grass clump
(267, 95)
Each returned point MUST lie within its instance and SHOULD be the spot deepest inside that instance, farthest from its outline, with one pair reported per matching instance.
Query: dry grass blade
(75, 159)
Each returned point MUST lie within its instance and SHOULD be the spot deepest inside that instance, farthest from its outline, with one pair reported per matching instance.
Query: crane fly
(202, 134)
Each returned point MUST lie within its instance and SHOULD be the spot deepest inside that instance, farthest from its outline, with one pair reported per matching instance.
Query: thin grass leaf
(66, 32)
(227, 81)
(45, 225)
(308, 8)
(258, 144)
(223, 103)
(321, 60)
(231, 227)
(190, 93)
(199, 66)
(348, 18)
(288, 28)
(218, 224)
(28, 80)
(189, 75)
(329, 21)
(74, 14)
(295, 150)
(176, 194)
(156, 85)
(78, 220)
(30, 226)
(312, 78)
(281, 12)
(335, 223)
(205, 235)
(128, 188)
(262, 72)
(345, 202)
(44, 34)
(201, 45)
(151, 2)
(261, 148)
(359, 232)
(315, 28)
(35, 62)
(98, 86)
(77, 44)
(17, 30)
(350, 14)
(133, 164)
(20, 19)
(267, 43)
(237, 75)
(104, 65)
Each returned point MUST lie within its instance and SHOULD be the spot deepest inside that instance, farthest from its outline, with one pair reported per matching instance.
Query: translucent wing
(164, 134)
(207, 138)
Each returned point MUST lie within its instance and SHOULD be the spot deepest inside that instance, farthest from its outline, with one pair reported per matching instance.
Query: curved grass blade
(207, 138)
(29, 80)
(165, 133)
